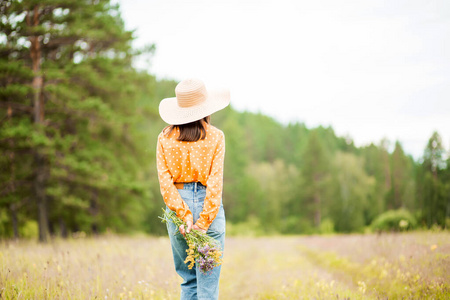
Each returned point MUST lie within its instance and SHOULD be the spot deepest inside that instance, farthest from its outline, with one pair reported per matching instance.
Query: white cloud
(371, 69)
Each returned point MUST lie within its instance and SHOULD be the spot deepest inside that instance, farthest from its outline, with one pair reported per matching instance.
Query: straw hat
(192, 102)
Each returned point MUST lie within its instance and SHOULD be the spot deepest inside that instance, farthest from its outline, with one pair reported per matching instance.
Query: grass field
(387, 266)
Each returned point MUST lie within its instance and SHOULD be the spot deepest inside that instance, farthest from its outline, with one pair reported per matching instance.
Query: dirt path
(275, 268)
(410, 265)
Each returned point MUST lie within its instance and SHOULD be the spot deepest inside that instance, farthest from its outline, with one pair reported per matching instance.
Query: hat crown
(191, 92)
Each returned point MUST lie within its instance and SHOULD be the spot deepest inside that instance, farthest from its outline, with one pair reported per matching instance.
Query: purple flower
(204, 250)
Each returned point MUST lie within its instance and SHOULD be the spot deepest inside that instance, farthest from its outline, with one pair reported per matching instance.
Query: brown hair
(190, 132)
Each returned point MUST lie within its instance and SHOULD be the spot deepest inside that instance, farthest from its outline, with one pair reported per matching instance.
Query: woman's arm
(214, 186)
(169, 192)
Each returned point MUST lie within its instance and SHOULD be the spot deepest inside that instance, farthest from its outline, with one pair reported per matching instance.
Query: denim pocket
(218, 225)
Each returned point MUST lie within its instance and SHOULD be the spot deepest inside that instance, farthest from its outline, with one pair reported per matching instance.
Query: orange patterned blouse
(200, 161)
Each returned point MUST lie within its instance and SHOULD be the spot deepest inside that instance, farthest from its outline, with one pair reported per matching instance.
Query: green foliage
(29, 229)
(395, 220)
(433, 184)
(326, 227)
(251, 228)
(316, 174)
(352, 187)
(85, 157)
(5, 231)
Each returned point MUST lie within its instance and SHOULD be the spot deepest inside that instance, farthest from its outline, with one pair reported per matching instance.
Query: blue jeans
(196, 285)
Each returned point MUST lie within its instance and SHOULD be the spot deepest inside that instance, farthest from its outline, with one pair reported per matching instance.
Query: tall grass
(390, 266)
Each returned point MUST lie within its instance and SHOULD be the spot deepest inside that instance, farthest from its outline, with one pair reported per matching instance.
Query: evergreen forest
(78, 129)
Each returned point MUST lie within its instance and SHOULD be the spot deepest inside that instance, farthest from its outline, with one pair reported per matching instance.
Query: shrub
(29, 230)
(394, 220)
(326, 226)
(251, 227)
(297, 225)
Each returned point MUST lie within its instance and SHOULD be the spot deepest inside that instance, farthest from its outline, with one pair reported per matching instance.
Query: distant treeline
(78, 128)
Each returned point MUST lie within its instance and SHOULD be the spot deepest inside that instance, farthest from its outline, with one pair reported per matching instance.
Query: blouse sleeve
(169, 192)
(214, 187)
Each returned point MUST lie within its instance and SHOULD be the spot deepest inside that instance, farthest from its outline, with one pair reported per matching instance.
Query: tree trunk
(387, 181)
(396, 188)
(38, 101)
(93, 209)
(62, 228)
(15, 223)
(316, 199)
(12, 170)
(387, 171)
(317, 215)
(41, 199)
(447, 211)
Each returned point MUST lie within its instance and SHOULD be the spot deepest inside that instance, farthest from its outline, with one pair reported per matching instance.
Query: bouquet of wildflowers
(203, 249)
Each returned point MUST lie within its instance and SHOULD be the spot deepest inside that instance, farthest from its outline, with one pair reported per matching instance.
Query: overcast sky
(370, 69)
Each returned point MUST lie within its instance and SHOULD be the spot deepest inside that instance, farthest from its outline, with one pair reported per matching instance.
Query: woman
(190, 156)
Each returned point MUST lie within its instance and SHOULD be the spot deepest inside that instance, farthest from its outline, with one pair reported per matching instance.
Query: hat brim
(173, 114)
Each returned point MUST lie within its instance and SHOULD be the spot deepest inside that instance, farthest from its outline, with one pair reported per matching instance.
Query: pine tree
(315, 172)
(374, 167)
(70, 94)
(434, 202)
(401, 195)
